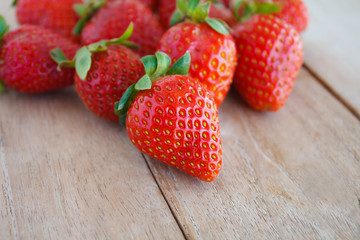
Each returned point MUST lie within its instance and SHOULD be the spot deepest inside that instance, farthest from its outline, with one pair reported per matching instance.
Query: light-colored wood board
(8, 226)
(332, 49)
(294, 174)
(73, 175)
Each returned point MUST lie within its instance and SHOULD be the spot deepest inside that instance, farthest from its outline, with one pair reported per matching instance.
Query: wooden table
(295, 174)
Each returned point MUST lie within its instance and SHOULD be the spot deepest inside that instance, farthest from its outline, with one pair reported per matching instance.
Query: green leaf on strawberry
(82, 60)
(3, 27)
(14, 2)
(192, 11)
(1, 86)
(254, 7)
(85, 11)
(155, 67)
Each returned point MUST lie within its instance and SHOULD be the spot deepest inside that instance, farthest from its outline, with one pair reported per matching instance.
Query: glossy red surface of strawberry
(221, 12)
(167, 7)
(57, 16)
(226, 2)
(149, 3)
(177, 123)
(113, 19)
(270, 56)
(111, 73)
(25, 62)
(213, 55)
(294, 12)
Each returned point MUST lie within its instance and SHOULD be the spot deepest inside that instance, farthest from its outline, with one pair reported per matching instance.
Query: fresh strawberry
(212, 50)
(104, 71)
(294, 12)
(172, 118)
(226, 2)
(25, 62)
(217, 10)
(270, 56)
(149, 3)
(113, 18)
(57, 16)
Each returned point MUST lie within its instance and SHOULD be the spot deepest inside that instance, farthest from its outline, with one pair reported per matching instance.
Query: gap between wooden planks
(67, 174)
(332, 49)
(294, 174)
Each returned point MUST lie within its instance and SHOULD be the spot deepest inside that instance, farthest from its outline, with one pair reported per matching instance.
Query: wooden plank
(8, 226)
(74, 175)
(294, 174)
(332, 49)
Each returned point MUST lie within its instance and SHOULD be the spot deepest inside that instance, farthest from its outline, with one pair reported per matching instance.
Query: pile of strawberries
(192, 51)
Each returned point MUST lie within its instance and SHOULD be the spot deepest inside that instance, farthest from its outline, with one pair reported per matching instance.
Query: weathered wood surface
(295, 174)
(332, 49)
(66, 174)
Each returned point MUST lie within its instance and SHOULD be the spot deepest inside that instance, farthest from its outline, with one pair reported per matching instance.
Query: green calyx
(156, 66)
(251, 8)
(83, 58)
(86, 11)
(3, 27)
(1, 86)
(14, 2)
(193, 11)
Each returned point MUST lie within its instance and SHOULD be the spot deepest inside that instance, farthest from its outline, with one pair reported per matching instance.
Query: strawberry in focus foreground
(104, 71)
(212, 49)
(173, 118)
(270, 55)
(25, 62)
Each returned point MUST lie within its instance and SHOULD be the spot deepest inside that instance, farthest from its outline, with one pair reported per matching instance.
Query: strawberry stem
(86, 11)
(192, 11)
(13, 4)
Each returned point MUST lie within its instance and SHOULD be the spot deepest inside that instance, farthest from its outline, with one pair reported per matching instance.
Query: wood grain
(67, 174)
(332, 49)
(294, 174)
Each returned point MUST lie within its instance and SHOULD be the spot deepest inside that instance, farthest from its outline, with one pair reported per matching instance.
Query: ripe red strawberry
(57, 16)
(149, 3)
(217, 10)
(25, 62)
(213, 54)
(174, 119)
(113, 18)
(110, 68)
(270, 56)
(294, 12)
